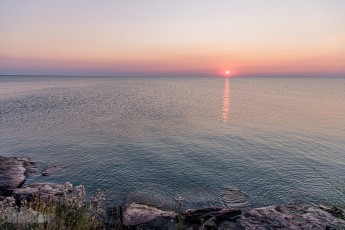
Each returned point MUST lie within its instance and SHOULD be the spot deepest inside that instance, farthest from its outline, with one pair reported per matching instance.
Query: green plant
(180, 221)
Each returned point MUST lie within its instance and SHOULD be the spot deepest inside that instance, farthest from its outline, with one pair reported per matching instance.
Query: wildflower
(68, 187)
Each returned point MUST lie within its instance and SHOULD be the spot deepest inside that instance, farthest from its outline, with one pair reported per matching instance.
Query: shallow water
(277, 140)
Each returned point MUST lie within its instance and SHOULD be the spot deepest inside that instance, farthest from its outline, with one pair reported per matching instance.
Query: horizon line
(203, 76)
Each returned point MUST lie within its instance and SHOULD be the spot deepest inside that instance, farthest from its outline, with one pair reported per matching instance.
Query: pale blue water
(277, 140)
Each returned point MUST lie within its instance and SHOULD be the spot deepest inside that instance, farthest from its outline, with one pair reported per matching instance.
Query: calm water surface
(277, 140)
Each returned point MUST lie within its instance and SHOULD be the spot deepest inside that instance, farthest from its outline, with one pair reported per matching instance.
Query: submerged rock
(50, 169)
(13, 173)
(233, 198)
(146, 198)
(136, 214)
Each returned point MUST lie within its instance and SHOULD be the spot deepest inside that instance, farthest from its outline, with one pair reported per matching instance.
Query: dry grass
(69, 211)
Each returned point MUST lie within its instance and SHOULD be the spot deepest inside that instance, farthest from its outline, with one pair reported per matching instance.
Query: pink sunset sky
(173, 38)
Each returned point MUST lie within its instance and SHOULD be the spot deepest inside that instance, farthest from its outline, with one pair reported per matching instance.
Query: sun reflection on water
(226, 101)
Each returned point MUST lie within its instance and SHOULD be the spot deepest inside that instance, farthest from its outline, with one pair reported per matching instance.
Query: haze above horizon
(184, 38)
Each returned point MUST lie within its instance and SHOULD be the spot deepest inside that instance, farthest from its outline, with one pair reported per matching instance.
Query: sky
(173, 38)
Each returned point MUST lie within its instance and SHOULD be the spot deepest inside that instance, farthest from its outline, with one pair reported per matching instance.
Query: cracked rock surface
(291, 216)
(294, 216)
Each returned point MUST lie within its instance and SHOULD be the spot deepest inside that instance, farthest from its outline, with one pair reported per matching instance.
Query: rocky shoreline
(14, 171)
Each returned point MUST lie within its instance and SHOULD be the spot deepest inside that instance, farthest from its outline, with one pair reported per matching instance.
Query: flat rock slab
(233, 198)
(136, 214)
(13, 173)
(296, 216)
(39, 190)
(146, 198)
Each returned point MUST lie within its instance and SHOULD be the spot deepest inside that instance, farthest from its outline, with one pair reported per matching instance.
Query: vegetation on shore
(71, 210)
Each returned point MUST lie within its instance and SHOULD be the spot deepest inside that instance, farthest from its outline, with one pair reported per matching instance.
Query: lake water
(277, 140)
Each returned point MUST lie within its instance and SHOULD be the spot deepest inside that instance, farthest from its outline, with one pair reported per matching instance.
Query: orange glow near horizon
(103, 38)
(231, 72)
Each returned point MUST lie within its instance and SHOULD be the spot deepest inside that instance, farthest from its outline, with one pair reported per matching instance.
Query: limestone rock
(13, 173)
(296, 216)
(42, 190)
(136, 214)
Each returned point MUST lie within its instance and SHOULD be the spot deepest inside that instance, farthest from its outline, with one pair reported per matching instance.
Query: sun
(227, 72)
